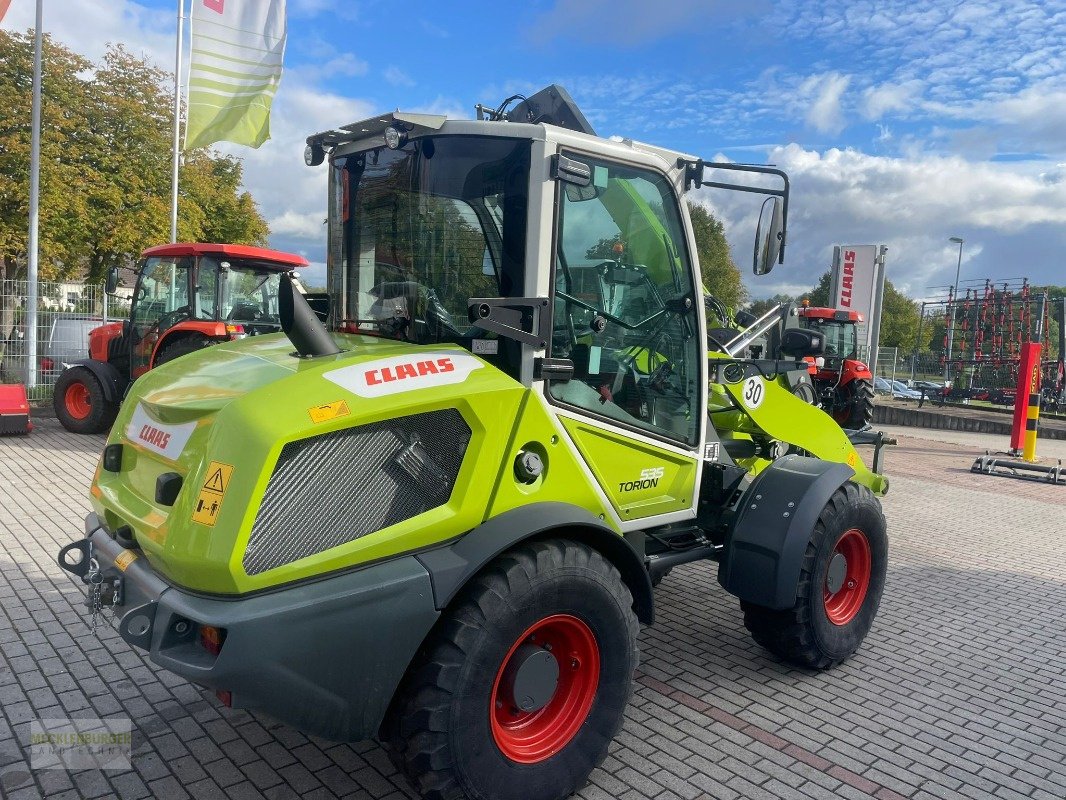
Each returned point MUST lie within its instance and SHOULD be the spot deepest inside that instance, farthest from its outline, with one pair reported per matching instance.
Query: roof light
(395, 138)
(314, 155)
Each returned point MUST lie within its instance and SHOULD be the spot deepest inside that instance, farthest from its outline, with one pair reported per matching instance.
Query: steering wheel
(172, 318)
(245, 312)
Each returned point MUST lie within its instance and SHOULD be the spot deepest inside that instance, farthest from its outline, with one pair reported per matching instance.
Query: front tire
(522, 685)
(80, 404)
(855, 405)
(841, 582)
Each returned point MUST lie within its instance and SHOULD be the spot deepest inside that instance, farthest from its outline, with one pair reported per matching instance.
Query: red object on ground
(14, 409)
(1030, 357)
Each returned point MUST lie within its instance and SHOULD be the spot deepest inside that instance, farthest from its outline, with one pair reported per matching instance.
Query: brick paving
(958, 692)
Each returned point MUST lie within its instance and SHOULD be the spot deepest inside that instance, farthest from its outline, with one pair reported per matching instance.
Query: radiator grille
(332, 489)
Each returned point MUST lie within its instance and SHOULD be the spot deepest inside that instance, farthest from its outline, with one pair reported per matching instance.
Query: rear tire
(553, 617)
(855, 409)
(80, 403)
(826, 626)
(181, 347)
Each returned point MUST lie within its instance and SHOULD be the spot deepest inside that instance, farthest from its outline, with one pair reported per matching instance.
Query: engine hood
(214, 423)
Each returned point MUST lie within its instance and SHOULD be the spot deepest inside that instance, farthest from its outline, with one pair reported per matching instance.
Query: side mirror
(112, 281)
(769, 236)
(800, 342)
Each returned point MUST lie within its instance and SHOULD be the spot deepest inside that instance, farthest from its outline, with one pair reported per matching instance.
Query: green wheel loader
(436, 518)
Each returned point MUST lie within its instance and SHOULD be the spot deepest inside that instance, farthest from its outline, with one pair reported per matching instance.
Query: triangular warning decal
(215, 482)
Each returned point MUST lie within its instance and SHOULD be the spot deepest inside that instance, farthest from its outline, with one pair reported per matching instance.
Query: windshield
(416, 232)
(250, 294)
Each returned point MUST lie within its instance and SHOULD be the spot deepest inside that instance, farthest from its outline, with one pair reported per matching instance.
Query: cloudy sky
(900, 123)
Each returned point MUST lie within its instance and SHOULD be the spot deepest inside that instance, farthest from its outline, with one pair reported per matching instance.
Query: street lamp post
(955, 296)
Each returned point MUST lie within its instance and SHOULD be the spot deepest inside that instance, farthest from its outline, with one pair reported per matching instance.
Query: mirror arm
(694, 178)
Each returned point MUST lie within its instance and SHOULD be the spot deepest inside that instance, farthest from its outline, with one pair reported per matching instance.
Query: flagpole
(177, 126)
(35, 197)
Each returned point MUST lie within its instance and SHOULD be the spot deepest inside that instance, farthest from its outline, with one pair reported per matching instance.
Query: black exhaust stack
(302, 325)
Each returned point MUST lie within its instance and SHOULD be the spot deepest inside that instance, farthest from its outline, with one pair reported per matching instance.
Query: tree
(819, 295)
(720, 274)
(105, 165)
(104, 170)
(760, 307)
(899, 320)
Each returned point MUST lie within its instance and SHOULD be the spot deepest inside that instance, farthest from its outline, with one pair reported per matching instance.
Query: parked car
(63, 339)
(900, 391)
(897, 389)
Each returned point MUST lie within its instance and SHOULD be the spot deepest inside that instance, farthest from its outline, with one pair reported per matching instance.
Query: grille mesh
(332, 489)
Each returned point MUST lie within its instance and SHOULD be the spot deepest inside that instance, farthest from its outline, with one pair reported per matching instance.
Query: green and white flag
(237, 51)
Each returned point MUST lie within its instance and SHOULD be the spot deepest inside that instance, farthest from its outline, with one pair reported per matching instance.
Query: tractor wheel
(181, 347)
(855, 405)
(80, 404)
(841, 581)
(522, 685)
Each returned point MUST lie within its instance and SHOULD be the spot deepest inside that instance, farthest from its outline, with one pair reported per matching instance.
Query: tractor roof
(283, 261)
(831, 313)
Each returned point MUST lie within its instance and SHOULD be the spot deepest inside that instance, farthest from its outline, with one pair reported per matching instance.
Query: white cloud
(88, 26)
(397, 77)
(823, 93)
(877, 101)
(1011, 216)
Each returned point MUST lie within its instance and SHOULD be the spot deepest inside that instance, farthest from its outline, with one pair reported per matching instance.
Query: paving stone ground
(958, 692)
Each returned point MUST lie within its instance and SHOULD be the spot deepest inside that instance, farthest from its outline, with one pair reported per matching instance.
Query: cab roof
(283, 261)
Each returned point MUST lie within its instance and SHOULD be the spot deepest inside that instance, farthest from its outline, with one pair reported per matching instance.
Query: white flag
(238, 47)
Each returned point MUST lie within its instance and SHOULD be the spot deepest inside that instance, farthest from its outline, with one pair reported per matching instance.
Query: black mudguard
(764, 546)
(450, 567)
(113, 382)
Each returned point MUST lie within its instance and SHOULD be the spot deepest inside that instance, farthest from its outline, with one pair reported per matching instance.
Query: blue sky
(900, 123)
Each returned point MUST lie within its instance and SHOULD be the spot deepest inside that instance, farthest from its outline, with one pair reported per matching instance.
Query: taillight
(212, 638)
(236, 331)
(225, 697)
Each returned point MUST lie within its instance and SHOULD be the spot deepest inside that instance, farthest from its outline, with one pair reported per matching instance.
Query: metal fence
(66, 312)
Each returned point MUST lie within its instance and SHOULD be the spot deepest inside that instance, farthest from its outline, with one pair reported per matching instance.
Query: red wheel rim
(78, 401)
(534, 736)
(842, 605)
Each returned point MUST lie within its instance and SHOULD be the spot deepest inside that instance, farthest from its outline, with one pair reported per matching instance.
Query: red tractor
(187, 296)
(844, 384)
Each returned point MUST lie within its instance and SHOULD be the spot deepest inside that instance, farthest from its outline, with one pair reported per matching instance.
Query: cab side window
(624, 303)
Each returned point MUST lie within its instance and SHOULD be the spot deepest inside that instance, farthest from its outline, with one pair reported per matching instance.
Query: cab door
(160, 301)
(624, 311)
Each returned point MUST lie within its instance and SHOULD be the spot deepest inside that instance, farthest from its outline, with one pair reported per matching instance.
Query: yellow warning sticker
(209, 501)
(328, 411)
(124, 559)
(853, 458)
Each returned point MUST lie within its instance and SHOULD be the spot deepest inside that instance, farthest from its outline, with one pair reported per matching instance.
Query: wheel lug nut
(574, 663)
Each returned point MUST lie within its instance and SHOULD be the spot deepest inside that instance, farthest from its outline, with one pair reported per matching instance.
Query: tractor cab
(839, 329)
(185, 291)
(187, 296)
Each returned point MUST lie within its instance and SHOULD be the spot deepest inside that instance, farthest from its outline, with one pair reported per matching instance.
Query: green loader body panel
(221, 418)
